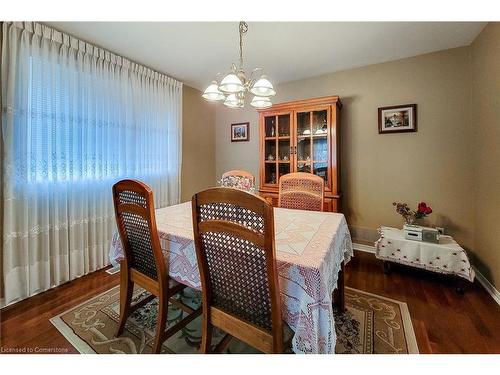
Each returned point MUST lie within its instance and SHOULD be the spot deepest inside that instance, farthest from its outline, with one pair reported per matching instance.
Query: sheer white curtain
(76, 119)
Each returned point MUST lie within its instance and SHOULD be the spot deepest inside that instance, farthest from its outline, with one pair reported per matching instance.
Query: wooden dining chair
(301, 191)
(144, 263)
(238, 179)
(234, 240)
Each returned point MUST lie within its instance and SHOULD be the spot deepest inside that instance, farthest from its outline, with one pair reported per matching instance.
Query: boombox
(418, 233)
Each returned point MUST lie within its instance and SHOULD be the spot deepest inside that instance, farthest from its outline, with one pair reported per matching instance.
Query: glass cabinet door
(277, 147)
(312, 152)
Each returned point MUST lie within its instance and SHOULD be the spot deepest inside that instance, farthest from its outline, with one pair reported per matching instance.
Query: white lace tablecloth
(310, 249)
(445, 257)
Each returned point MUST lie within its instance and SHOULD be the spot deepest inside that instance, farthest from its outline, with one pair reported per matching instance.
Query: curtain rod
(108, 50)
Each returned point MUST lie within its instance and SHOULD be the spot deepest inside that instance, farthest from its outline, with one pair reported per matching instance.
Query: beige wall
(433, 164)
(198, 148)
(236, 155)
(485, 122)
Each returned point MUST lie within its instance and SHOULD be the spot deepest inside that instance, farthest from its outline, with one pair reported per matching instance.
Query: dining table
(311, 249)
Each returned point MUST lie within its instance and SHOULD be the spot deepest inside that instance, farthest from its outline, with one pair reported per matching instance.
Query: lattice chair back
(234, 238)
(135, 218)
(301, 191)
(238, 179)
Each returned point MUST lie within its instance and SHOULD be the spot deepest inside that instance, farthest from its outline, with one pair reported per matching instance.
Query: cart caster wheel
(461, 287)
(387, 267)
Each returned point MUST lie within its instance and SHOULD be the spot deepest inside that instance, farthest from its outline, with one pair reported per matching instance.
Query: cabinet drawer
(330, 204)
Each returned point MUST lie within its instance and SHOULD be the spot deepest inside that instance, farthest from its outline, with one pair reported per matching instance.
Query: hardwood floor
(26, 324)
(444, 321)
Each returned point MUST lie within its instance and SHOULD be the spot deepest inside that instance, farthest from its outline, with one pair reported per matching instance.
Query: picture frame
(397, 119)
(240, 132)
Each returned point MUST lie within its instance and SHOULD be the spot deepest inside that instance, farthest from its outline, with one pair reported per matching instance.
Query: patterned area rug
(371, 324)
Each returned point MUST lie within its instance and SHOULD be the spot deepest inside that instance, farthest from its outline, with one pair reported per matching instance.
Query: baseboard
(492, 291)
(362, 247)
(369, 235)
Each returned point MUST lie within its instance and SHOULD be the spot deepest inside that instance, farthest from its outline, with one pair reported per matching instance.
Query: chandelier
(232, 88)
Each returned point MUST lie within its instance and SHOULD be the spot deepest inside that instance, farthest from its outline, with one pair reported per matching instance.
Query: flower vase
(409, 219)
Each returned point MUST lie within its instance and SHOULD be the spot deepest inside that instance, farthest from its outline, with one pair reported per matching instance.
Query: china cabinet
(301, 136)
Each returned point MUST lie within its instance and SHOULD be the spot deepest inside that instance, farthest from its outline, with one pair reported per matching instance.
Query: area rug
(371, 324)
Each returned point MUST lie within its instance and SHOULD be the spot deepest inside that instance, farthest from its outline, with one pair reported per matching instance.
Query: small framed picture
(240, 132)
(397, 119)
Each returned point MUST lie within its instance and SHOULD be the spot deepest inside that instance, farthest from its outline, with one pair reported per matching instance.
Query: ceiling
(193, 52)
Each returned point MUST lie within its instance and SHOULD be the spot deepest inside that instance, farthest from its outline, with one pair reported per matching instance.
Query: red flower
(422, 206)
(423, 210)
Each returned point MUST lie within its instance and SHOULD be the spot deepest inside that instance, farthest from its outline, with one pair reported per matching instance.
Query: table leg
(338, 294)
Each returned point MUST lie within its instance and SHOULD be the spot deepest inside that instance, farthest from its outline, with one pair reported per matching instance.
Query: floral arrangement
(410, 215)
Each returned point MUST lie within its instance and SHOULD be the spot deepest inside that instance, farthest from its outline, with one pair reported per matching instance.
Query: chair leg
(206, 336)
(126, 289)
(161, 323)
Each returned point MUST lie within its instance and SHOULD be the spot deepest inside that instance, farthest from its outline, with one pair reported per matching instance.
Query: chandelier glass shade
(231, 84)
(261, 102)
(263, 87)
(231, 89)
(212, 93)
(234, 101)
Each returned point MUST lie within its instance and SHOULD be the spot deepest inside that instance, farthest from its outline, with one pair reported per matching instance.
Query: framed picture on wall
(397, 119)
(240, 132)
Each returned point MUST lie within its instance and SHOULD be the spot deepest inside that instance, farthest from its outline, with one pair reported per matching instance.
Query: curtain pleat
(76, 119)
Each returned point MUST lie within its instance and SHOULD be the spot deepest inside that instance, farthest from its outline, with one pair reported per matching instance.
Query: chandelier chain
(232, 87)
(243, 30)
